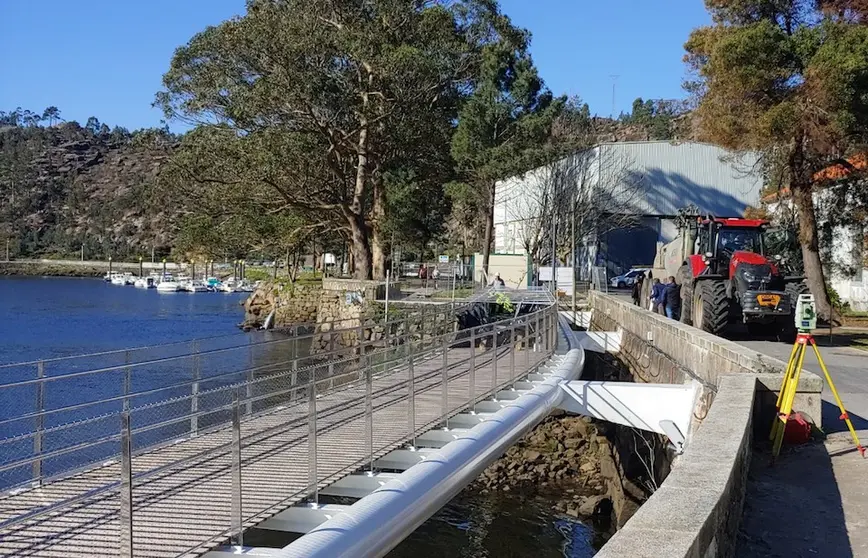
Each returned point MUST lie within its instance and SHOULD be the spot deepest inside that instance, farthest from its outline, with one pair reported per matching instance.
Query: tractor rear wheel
(710, 306)
(686, 282)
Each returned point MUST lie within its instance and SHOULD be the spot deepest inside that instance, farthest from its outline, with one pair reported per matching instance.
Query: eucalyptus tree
(314, 97)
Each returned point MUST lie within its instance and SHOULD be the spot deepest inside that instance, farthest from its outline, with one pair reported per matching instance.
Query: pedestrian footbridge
(178, 450)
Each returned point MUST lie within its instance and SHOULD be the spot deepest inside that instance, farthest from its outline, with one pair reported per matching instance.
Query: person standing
(672, 299)
(637, 289)
(657, 289)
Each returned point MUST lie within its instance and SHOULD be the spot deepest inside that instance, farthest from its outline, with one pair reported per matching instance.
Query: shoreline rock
(570, 459)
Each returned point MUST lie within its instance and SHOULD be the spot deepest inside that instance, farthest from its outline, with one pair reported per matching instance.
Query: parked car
(627, 279)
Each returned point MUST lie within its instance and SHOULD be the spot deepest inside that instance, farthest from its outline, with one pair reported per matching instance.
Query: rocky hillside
(65, 186)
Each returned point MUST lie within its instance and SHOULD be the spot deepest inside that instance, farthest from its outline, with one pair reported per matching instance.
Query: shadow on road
(832, 422)
(793, 507)
(843, 339)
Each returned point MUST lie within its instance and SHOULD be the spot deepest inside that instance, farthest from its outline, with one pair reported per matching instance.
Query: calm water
(474, 525)
(43, 318)
(51, 317)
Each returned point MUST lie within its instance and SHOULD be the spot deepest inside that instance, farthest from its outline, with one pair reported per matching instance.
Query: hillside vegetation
(64, 186)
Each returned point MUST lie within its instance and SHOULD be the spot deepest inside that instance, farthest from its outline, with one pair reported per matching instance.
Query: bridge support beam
(302, 519)
(662, 408)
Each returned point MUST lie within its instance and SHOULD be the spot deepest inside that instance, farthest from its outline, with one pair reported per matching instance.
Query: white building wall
(672, 175)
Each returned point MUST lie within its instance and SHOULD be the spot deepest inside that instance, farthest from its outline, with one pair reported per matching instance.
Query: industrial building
(649, 180)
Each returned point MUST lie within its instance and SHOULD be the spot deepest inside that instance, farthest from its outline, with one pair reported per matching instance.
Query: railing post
(128, 381)
(512, 348)
(248, 387)
(472, 374)
(39, 427)
(445, 378)
(194, 392)
(549, 321)
(125, 510)
(422, 327)
(536, 342)
(369, 416)
(526, 340)
(311, 440)
(331, 349)
(494, 360)
(295, 359)
(237, 528)
(553, 330)
(411, 401)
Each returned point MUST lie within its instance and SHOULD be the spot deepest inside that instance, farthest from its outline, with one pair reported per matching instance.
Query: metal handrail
(164, 360)
(219, 450)
(188, 383)
(183, 384)
(425, 345)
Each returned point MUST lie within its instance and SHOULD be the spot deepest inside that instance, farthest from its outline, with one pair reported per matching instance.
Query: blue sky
(105, 58)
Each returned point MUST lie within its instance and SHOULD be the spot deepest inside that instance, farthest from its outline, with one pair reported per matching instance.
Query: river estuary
(44, 318)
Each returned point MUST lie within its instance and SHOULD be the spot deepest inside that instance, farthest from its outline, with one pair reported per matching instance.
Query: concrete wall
(706, 357)
(512, 269)
(697, 510)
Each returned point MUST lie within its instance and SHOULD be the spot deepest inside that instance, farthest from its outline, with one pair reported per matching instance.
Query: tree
(52, 115)
(318, 96)
(93, 125)
(119, 135)
(786, 79)
(503, 125)
(656, 116)
(589, 193)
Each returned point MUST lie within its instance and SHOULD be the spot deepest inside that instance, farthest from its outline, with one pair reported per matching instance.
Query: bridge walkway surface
(183, 491)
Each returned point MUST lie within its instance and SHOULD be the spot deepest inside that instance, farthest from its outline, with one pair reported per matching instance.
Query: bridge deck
(185, 509)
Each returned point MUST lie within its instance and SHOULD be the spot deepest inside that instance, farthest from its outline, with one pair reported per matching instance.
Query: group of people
(665, 297)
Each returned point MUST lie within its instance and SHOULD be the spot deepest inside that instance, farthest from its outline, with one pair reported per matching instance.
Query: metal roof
(676, 174)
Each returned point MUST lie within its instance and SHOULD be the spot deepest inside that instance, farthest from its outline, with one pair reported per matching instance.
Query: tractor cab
(718, 241)
(730, 278)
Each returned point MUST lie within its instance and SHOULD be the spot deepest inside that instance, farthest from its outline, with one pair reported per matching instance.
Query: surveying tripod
(805, 322)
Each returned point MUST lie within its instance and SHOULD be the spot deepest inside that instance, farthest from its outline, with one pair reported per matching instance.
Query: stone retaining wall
(706, 357)
(697, 510)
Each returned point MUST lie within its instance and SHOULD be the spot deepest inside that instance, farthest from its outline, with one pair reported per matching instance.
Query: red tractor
(726, 276)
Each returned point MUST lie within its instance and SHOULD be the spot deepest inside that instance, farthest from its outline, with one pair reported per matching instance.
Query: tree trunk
(804, 201)
(360, 248)
(379, 243)
(489, 230)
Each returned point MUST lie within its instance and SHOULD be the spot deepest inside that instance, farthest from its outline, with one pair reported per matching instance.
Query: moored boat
(168, 284)
(145, 283)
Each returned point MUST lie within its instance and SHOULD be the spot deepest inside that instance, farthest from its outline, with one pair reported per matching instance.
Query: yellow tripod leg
(787, 406)
(844, 416)
(788, 373)
(785, 384)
